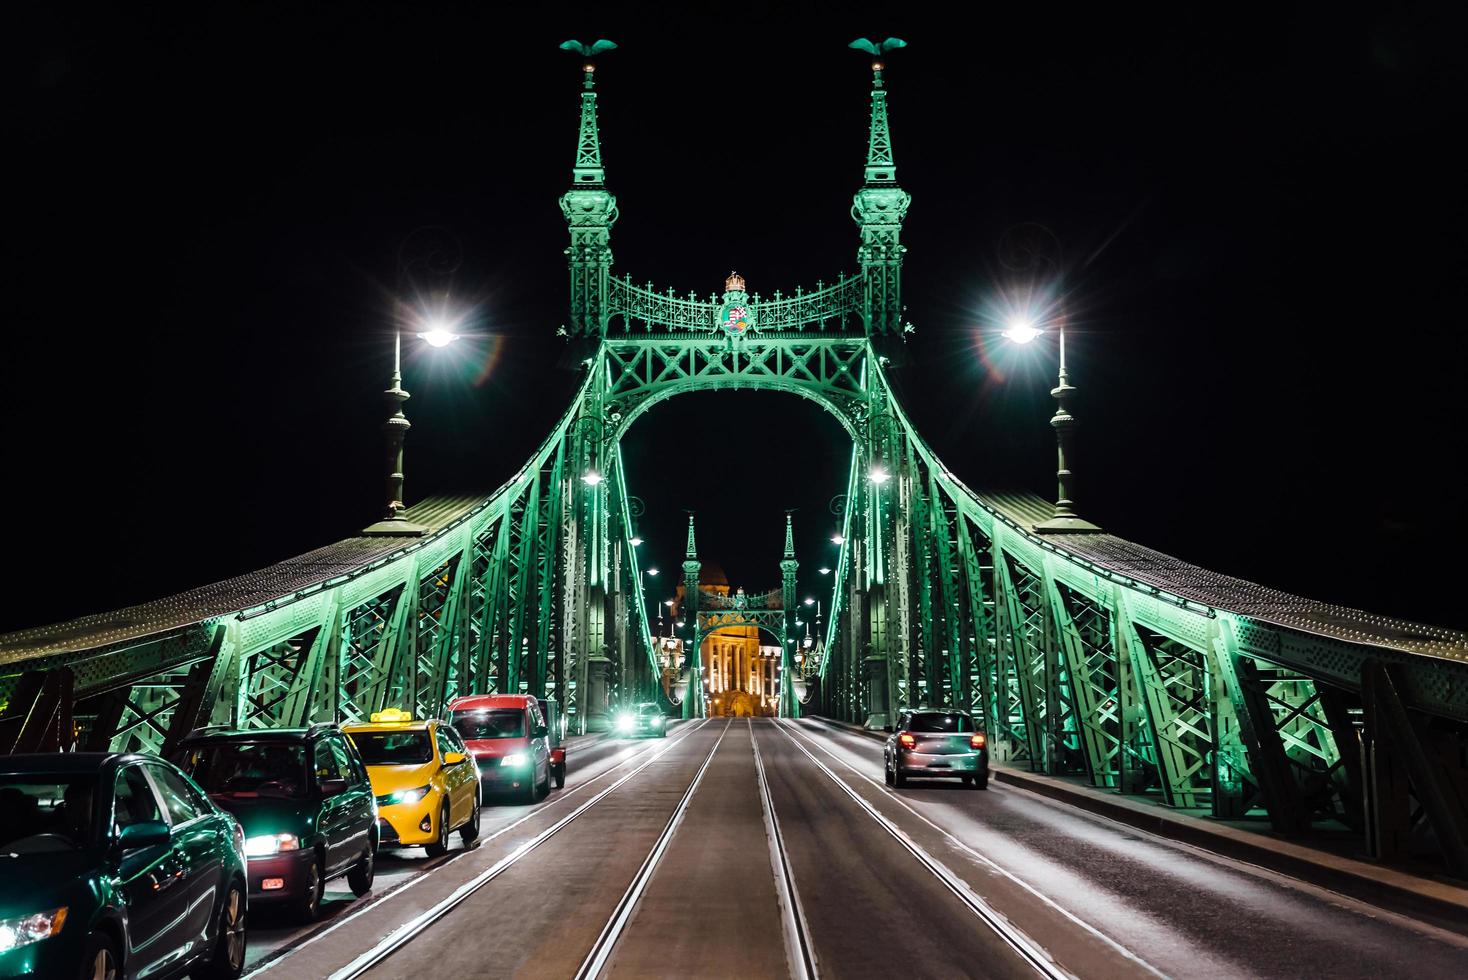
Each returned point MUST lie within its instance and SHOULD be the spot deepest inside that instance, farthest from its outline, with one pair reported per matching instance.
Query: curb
(1379, 885)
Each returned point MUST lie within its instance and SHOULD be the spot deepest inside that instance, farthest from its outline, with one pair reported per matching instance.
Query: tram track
(277, 958)
(798, 947)
(1030, 952)
(606, 942)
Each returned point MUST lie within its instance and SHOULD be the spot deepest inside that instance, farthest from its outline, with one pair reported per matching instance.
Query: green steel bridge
(1082, 653)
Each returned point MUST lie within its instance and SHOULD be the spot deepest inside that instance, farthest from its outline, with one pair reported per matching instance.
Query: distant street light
(824, 570)
(636, 541)
(879, 475)
(591, 478)
(837, 540)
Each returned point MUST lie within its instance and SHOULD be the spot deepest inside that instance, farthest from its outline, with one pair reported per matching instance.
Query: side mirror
(331, 787)
(541, 731)
(146, 833)
(454, 758)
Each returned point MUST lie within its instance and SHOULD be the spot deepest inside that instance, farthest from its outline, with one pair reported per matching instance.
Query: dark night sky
(1262, 215)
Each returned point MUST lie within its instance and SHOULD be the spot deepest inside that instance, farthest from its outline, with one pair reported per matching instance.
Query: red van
(508, 736)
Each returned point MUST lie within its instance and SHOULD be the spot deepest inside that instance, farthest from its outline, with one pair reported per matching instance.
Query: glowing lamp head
(437, 336)
(653, 572)
(825, 570)
(636, 542)
(1022, 332)
(879, 475)
(837, 540)
(809, 601)
(592, 478)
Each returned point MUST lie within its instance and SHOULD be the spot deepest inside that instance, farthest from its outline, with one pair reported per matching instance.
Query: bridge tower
(789, 602)
(693, 699)
(879, 208)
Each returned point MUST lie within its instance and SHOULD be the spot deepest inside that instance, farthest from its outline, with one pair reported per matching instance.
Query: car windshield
(489, 723)
(942, 721)
(46, 812)
(648, 709)
(241, 770)
(393, 748)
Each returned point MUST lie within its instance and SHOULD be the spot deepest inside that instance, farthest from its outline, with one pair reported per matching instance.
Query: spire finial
(789, 538)
(692, 551)
(880, 168)
(588, 169)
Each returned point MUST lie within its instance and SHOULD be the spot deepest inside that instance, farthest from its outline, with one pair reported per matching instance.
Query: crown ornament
(734, 284)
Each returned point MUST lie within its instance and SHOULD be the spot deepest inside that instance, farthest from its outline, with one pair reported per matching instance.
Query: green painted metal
(1076, 661)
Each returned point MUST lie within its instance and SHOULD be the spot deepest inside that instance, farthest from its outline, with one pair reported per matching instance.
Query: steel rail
(1029, 951)
(988, 862)
(799, 953)
(414, 927)
(611, 933)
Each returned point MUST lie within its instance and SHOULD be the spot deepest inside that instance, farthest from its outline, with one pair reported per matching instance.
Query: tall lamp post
(1065, 519)
(393, 523)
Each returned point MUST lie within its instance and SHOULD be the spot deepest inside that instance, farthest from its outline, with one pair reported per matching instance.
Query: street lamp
(1022, 331)
(396, 428)
(636, 541)
(837, 540)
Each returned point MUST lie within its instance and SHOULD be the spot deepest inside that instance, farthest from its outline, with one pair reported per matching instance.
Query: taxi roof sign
(390, 715)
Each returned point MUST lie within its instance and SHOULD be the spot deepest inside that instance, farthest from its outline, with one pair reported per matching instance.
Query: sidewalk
(1378, 884)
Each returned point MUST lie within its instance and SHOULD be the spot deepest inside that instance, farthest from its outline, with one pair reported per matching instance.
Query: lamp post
(396, 428)
(1065, 519)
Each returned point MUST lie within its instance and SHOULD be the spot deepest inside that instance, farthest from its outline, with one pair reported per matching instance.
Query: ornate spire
(590, 211)
(789, 538)
(692, 551)
(880, 206)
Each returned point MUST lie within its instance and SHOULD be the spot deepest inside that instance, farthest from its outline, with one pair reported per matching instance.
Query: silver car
(943, 744)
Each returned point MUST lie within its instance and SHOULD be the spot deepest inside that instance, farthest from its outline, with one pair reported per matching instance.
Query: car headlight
(625, 723)
(270, 844)
(513, 759)
(26, 929)
(408, 795)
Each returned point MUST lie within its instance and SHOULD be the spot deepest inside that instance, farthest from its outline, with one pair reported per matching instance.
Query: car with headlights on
(510, 740)
(646, 718)
(943, 744)
(116, 865)
(304, 800)
(423, 777)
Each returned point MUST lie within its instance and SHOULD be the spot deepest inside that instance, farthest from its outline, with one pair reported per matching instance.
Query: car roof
(252, 735)
(391, 726)
(67, 762)
(491, 701)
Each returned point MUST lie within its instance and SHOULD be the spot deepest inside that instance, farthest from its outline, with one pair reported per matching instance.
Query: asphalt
(658, 856)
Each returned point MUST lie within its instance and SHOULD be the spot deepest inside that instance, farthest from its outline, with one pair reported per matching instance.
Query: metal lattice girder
(1178, 690)
(276, 681)
(1088, 685)
(1024, 676)
(437, 611)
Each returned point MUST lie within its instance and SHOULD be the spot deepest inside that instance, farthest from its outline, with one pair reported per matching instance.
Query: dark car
(937, 743)
(509, 739)
(116, 865)
(645, 719)
(304, 800)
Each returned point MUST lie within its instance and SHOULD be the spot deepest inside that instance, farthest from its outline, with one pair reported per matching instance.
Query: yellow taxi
(423, 777)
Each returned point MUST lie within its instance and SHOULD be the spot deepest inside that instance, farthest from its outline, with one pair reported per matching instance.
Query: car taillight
(977, 740)
(908, 741)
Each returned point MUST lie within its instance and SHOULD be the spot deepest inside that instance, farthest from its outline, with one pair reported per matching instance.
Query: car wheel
(887, 772)
(362, 873)
(99, 962)
(560, 776)
(470, 831)
(308, 903)
(440, 846)
(228, 959)
(543, 790)
(898, 779)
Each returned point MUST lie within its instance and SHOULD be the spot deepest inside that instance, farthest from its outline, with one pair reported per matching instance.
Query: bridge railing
(837, 306)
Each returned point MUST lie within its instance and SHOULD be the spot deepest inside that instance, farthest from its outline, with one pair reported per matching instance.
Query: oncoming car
(645, 719)
(423, 777)
(937, 743)
(510, 740)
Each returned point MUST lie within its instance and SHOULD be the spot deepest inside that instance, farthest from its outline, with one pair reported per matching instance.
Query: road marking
(274, 960)
(798, 951)
(989, 863)
(1028, 950)
(601, 950)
